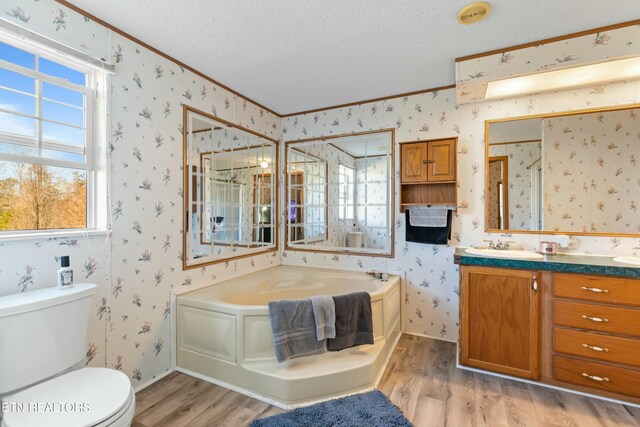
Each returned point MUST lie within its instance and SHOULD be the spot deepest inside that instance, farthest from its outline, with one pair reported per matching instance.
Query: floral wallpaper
(591, 172)
(140, 263)
(520, 157)
(473, 75)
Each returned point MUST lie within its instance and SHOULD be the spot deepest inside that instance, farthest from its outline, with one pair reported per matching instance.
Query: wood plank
(461, 404)
(550, 407)
(439, 367)
(406, 391)
(194, 407)
(518, 403)
(490, 408)
(429, 413)
(173, 402)
(158, 391)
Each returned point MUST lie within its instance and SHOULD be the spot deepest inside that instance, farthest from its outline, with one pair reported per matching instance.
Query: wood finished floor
(421, 379)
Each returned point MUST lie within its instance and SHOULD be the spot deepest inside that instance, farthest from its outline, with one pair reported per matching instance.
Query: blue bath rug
(371, 409)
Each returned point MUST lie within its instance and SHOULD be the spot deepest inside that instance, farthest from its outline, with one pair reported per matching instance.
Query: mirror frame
(185, 183)
(487, 123)
(392, 177)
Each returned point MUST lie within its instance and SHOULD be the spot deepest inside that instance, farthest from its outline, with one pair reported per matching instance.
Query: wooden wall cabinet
(428, 173)
(500, 328)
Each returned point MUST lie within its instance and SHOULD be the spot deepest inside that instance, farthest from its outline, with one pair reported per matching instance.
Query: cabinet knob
(534, 284)
(424, 161)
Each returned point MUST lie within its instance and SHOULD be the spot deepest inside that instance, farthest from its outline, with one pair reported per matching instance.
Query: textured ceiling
(298, 55)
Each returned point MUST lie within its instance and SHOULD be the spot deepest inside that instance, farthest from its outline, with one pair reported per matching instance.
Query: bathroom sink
(633, 260)
(504, 253)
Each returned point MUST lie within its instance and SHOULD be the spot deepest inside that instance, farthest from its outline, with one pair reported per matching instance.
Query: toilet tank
(42, 333)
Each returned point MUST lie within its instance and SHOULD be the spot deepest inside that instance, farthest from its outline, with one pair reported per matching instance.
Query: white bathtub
(223, 335)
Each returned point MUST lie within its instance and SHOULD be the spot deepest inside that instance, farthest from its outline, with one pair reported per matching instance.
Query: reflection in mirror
(339, 195)
(230, 191)
(571, 172)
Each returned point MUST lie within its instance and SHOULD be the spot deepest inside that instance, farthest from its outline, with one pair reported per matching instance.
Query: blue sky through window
(53, 108)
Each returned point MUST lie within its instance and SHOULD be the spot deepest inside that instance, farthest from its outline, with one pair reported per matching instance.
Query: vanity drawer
(590, 374)
(597, 288)
(597, 317)
(597, 346)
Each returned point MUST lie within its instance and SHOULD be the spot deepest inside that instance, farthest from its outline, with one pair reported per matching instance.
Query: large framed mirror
(230, 190)
(340, 193)
(574, 172)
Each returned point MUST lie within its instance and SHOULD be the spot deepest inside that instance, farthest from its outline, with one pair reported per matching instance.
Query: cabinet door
(414, 161)
(499, 320)
(441, 158)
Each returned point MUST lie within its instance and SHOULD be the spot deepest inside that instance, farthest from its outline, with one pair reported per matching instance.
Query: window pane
(17, 102)
(60, 94)
(17, 125)
(17, 81)
(63, 155)
(54, 69)
(23, 150)
(35, 197)
(62, 113)
(62, 134)
(17, 56)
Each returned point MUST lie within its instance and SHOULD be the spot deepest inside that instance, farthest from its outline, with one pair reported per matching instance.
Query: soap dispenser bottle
(65, 274)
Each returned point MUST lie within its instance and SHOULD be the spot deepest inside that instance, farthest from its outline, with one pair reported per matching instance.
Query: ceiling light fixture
(474, 12)
(586, 75)
(264, 164)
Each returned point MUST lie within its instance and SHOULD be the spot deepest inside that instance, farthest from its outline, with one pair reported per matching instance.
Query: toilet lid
(80, 398)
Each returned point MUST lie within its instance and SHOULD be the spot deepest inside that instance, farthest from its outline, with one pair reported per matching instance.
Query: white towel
(324, 313)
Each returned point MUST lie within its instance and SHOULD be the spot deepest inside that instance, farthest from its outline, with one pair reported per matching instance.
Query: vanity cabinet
(576, 331)
(428, 173)
(500, 327)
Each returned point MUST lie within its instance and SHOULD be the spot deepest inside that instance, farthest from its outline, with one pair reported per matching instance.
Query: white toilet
(43, 337)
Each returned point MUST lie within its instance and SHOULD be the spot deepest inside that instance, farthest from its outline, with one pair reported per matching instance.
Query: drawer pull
(596, 348)
(595, 319)
(595, 378)
(596, 290)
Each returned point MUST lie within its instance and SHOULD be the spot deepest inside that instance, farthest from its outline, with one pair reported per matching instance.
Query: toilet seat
(87, 397)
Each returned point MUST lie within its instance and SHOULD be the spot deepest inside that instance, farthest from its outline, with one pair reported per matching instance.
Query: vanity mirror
(230, 190)
(339, 193)
(575, 172)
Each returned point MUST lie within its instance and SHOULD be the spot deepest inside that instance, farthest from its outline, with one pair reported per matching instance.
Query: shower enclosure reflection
(574, 172)
(339, 193)
(230, 190)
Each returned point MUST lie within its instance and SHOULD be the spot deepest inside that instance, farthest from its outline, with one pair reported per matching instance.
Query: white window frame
(89, 164)
(347, 203)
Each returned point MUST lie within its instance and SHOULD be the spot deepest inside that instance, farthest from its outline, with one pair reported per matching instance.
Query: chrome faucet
(491, 244)
(378, 275)
(504, 245)
(500, 245)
